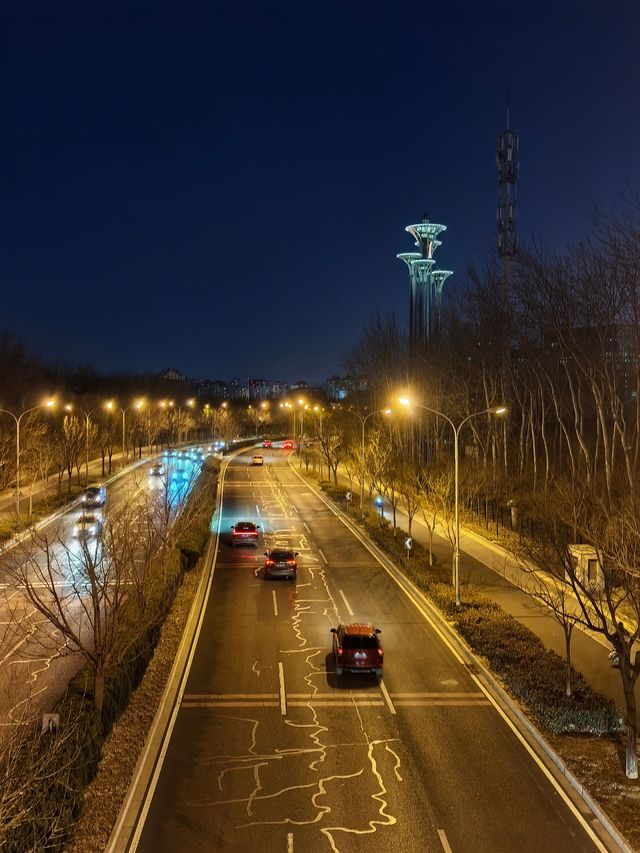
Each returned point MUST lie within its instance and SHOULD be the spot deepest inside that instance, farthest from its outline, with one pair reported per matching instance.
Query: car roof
(358, 628)
(247, 524)
(281, 551)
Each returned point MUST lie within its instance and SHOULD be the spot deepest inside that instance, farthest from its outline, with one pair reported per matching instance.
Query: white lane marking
(347, 605)
(258, 510)
(289, 842)
(275, 603)
(306, 526)
(323, 557)
(283, 695)
(442, 835)
(387, 698)
(416, 603)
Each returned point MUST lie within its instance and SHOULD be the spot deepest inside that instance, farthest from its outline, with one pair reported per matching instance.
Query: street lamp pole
(363, 420)
(500, 410)
(17, 418)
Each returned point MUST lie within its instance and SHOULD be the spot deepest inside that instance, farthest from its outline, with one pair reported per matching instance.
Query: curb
(471, 661)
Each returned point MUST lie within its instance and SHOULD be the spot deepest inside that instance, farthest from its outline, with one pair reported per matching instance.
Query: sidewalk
(491, 569)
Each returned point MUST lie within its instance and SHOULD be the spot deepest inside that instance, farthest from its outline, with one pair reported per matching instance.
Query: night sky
(223, 187)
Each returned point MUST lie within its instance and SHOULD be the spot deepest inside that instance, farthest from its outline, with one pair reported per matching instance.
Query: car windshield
(87, 519)
(281, 555)
(245, 525)
(357, 641)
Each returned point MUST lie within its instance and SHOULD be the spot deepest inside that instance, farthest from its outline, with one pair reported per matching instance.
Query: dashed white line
(283, 695)
(289, 842)
(323, 557)
(443, 840)
(306, 526)
(258, 510)
(387, 698)
(275, 603)
(347, 605)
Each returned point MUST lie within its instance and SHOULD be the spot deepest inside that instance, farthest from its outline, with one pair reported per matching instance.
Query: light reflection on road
(27, 641)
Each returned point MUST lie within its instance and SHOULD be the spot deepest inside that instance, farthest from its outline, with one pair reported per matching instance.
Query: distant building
(173, 374)
(256, 389)
(340, 387)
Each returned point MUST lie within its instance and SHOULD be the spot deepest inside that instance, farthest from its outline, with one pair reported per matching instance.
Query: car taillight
(379, 653)
(269, 563)
(291, 562)
(339, 652)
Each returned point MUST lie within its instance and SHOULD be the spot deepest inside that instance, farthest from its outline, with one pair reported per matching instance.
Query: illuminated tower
(507, 216)
(426, 284)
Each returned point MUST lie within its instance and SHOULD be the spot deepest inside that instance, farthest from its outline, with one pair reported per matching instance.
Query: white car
(88, 526)
(257, 460)
(157, 470)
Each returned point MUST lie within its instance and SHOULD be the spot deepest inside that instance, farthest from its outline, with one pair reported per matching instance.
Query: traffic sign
(347, 497)
(408, 543)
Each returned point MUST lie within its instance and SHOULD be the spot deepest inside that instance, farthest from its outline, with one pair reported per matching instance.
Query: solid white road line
(347, 605)
(387, 698)
(443, 840)
(289, 842)
(275, 603)
(323, 557)
(283, 695)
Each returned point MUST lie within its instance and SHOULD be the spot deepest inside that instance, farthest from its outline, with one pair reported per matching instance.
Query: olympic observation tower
(426, 284)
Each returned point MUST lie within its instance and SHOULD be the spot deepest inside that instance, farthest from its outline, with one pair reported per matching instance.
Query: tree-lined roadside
(583, 728)
(109, 603)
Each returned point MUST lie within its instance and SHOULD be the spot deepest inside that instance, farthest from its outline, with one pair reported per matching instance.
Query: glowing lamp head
(404, 401)
(501, 410)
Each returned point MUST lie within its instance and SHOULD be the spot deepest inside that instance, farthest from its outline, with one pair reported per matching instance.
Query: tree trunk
(632, 726)
(567, 646)
(98, 688)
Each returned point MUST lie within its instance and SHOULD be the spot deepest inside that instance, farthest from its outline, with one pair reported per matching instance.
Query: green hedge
(68, 760)
(533, 673)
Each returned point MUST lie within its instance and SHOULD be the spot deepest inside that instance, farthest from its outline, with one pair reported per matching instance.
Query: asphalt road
(35, 665)
(270, 752)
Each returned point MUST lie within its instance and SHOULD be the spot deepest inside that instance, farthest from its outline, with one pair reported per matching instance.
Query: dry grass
(599, 764)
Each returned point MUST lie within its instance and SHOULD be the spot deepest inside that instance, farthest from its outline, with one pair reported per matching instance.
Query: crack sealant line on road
(129, 824)
(498, 697)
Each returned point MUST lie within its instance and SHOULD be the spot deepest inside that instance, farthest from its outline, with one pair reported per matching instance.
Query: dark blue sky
(224, 187)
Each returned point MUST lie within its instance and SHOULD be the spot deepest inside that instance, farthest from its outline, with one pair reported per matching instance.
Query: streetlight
(17, 418)
(111, 406)
(69, 408)
(494, 410)
(363, 419)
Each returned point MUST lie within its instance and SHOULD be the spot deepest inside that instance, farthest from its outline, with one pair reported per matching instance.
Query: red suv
(356, 648)
(245, 533)
(267, 443)
(288, 445)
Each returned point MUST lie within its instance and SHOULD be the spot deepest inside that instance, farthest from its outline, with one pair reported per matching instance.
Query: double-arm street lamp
(17, 418)
(495, 410)
(111, 406)
(87, 415)
(363, 419)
